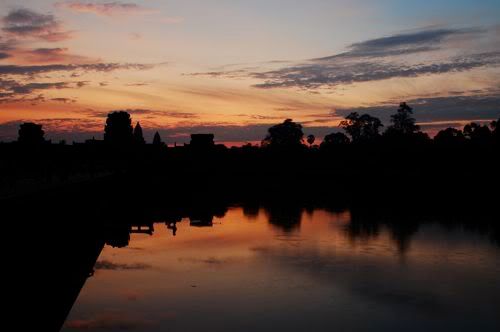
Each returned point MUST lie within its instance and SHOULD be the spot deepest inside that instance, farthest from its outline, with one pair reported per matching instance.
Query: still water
(315, 272)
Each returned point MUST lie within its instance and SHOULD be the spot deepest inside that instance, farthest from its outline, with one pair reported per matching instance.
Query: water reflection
(277, 267)
(192, 266)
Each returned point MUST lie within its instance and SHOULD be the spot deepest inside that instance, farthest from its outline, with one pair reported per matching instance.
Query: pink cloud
(115, 8)
(106, 9)
(48, 56)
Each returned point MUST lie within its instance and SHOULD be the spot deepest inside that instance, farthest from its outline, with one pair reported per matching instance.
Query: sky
(235, 67)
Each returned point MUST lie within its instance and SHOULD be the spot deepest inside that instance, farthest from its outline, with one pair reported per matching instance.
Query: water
(314, 270)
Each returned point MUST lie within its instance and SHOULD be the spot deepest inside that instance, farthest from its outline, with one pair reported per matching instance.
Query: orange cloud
(47, 56)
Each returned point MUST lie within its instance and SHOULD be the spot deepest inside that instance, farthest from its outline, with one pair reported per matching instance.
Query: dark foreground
(101, 255)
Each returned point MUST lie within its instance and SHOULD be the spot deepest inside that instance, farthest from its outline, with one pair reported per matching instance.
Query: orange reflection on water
(300, 269)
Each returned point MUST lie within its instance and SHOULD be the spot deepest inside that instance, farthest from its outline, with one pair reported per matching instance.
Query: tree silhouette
(311, 139)
(118, 129)
(477, 133)
(31, 133)
(335, 139)
(361, 128)
(286, 134)
(403, 122)
(138, 136)
(495, 130)
(449, 137)
(157, 139)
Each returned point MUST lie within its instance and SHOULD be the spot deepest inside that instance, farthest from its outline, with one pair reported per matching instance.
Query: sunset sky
(234, 67)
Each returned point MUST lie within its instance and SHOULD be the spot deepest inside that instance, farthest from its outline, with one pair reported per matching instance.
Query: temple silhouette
(359, 163)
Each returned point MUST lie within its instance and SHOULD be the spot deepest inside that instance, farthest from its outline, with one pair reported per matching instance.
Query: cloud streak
(48, 56)
(116, 9)
(19, 54)
(396, 56)
(14, 91)
(111, 8)
(92, 67)
(404, 44)
(147, 113)
(64, 100)
(331, 74)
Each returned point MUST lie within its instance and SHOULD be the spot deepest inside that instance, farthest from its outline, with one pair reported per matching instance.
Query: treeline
(366, 129)
(357, 129)
(364, 160)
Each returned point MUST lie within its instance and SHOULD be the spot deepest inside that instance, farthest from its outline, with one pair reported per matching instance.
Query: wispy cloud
(25, 23)
(138, 84)
(18, 88)
(16, 84)
(145, 112)
(116, 9)
(379, 59)
(262, 117)
(15, 91)
(92, 67)
(405, 43)
(64, 100)
(54, 55)
(318, 74)
(111, 8)
(10, 98)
